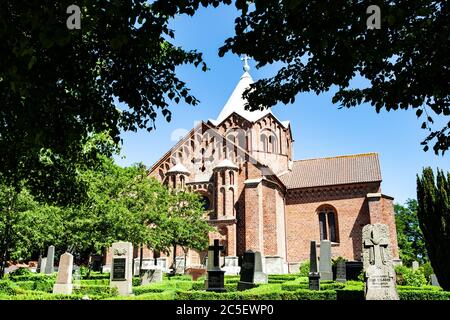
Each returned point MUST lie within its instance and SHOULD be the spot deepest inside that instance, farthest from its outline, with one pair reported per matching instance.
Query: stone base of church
(275, 265)
(231, 266)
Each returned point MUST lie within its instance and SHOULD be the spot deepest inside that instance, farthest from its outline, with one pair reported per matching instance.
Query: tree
(25, 225)
(410, 238)
(321, 44)
(433, 210)
(57, 86)
(187, 225)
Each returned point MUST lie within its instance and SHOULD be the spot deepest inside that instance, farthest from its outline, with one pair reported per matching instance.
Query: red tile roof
(333, 171)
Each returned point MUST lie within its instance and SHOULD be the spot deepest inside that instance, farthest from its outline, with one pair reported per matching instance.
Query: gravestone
(39, 265)
(96, 262)
(179, 265)
(49, 265)
(314, 275)
(353, 269)
(415, 265)
(325, 265)
(247, 273)
(215, 281)
(377, 260)
(43, 264)
(121, 267)
(147, 263)
(231, 265)
(162, 263)
(76, 277)
(151, 275)
(341, 271)
(63, 284)
(434, 280)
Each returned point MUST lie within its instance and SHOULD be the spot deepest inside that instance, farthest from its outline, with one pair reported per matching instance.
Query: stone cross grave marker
(314, 276)
(215, 281)
(121, 268)
(49, 265)
(377, 261)
(63, 282)
(325, 266)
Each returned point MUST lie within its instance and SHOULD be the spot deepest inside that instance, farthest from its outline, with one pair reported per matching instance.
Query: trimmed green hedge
(423, 295)
(100, 290)
(32, 277)
(164, 286)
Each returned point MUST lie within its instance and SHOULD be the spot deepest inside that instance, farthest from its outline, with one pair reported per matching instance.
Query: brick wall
(302, 224)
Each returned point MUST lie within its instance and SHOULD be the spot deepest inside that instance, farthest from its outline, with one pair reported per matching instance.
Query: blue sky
(319, 128)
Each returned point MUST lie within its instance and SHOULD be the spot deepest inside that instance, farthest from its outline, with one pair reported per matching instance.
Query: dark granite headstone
(353, 269)
(39, 265)
(341, 275)
(314, 275)
(215, 281)
(247, 271)
(96, 262)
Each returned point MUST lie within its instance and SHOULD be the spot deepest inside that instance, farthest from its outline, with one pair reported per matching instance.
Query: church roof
(225, 163)
(236, 103)
(178, 168)
(319, 172)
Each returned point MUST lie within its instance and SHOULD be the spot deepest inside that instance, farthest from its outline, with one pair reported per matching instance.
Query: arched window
(263, 143)
(231, 193)
(327, 224)
(222, 192)
(222, 177)
(182, 181)
(231, 177)
(174, 182)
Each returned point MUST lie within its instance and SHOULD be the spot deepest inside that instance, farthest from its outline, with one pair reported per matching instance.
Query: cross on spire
(245, 58)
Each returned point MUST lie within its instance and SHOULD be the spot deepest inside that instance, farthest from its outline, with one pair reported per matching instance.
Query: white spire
(236, 103)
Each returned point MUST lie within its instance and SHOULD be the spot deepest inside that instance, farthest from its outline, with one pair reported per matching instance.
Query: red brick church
(258, 197)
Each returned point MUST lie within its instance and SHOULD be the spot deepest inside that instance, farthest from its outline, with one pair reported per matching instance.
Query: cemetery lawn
(280, 287)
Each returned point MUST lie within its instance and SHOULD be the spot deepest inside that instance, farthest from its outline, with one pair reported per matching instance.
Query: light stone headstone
(153, 274)
(63, 284)
(49, 268)
(415, 265)
(122, 267)
(377, 261)
(434, 280)
(43, 264)
(162, 263)
(325, 264)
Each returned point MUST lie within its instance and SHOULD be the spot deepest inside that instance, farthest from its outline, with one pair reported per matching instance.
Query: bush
(304, 268)
(350, 294)
(94, 275)
(304, 294)
(423, 295)
(7, 288)
(426, 288)
(22, 271)
(166, 295)
(427, 271)
(164, 286)
(31, 277)
(98, 290)
(409, 277)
